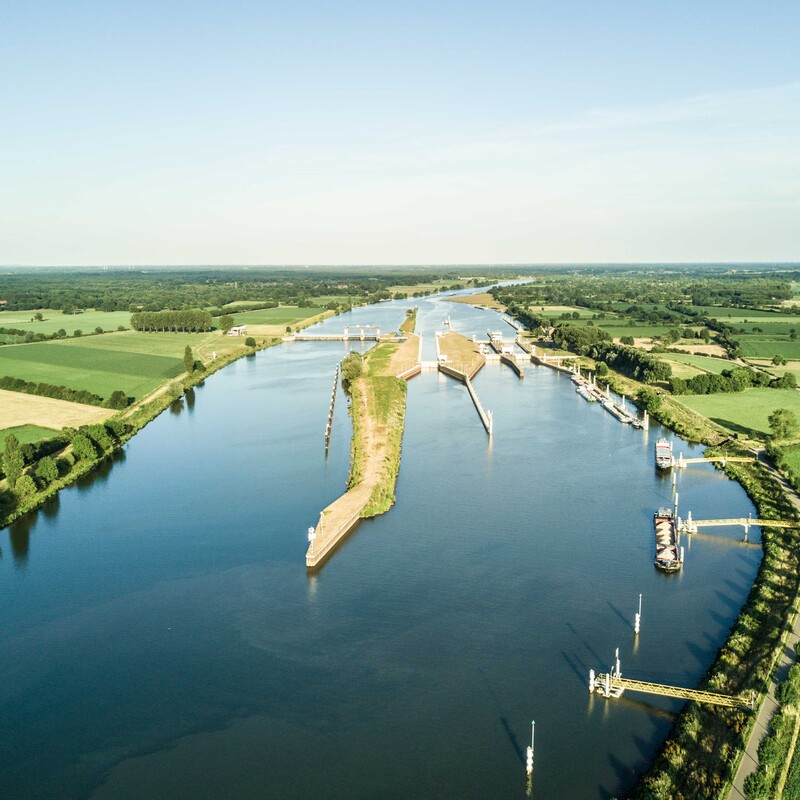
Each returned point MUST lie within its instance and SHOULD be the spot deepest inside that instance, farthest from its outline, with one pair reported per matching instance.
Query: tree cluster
(736, 379)
(352, 367)
(49, 390)
(172, 321)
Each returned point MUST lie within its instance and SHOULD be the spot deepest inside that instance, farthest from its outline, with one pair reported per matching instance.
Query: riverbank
(700, 756)
(116, 432)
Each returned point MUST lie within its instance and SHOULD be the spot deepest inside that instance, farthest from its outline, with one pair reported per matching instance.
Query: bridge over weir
(351, 333)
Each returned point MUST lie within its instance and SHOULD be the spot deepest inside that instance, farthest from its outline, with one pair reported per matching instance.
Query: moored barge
(669, 555)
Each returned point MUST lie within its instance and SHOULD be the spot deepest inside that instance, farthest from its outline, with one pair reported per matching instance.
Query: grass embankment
(378, 407)
(744, 412)
(410, 322)
(700, 756)
(662, 407)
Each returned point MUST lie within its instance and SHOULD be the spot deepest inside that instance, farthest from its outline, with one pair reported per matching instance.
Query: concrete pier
(512, 362)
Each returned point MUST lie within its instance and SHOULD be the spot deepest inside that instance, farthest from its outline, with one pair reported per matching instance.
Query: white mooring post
(591, 681)
(646, 420)
(675, 511)
(681, 554)
(491, 422)
(618, 672)
(637, 620)
(529, 755)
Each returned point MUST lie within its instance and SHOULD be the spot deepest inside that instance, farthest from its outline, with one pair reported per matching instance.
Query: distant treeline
(172, 321)
(183, 289)
(118, 399)
(643, 294)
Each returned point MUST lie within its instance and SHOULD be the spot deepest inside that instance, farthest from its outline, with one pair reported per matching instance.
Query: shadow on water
(191, 399)
(100, 473)
(51, 506)
(625, 621)
(19, 535)
(176, 406)
(509, 732)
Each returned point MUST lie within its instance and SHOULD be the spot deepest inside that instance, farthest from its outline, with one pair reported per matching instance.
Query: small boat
(669, 556)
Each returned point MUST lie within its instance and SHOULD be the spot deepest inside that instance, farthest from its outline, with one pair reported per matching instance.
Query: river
(161, 639)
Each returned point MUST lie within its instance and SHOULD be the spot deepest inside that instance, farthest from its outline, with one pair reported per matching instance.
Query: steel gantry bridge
(612, 684)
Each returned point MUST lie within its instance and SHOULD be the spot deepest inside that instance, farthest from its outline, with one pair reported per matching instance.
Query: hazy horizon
(472, 133)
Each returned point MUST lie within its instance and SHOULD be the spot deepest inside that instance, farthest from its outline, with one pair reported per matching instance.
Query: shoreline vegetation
(378, 407)
(701, 755)
(75, 452)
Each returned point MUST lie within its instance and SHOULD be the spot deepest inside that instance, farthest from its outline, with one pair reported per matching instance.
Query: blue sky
(377, 133)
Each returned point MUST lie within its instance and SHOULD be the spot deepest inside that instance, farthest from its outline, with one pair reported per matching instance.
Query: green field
(738, 315)
(705, 363)
(755, 346)
(93, 363)
(283, 315)
(27, 434)
(53, 321)
(791, 456)
(743, 412)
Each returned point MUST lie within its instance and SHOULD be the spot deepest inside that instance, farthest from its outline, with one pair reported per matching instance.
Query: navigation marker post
(529, 755)
(638, 618)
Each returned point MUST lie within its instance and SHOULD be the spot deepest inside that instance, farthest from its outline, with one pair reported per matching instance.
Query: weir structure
(351, 333)
(611, 684)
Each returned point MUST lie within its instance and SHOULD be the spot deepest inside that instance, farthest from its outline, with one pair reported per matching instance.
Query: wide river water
(161, 639)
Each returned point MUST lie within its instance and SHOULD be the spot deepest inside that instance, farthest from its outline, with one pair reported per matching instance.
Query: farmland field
(791, 456)
(765, 347)
(18, 409)
(283, 315)
(738, 315)
(707, 364)
(27, 434)
(54, 320)
(743, 411)
(97, 369)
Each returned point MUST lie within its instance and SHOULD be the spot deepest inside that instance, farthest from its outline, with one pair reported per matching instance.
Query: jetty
(460, 358)
(378, 409)
(589, 390)
(611, 684)
(690, 525)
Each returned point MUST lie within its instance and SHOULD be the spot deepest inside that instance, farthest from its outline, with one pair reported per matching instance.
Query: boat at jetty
(585, 394)
(669, 557)
(664, 454)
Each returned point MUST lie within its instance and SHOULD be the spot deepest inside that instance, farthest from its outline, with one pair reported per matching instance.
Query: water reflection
(190, 398)
(19, 534)
(100, 473)
(51, 506)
